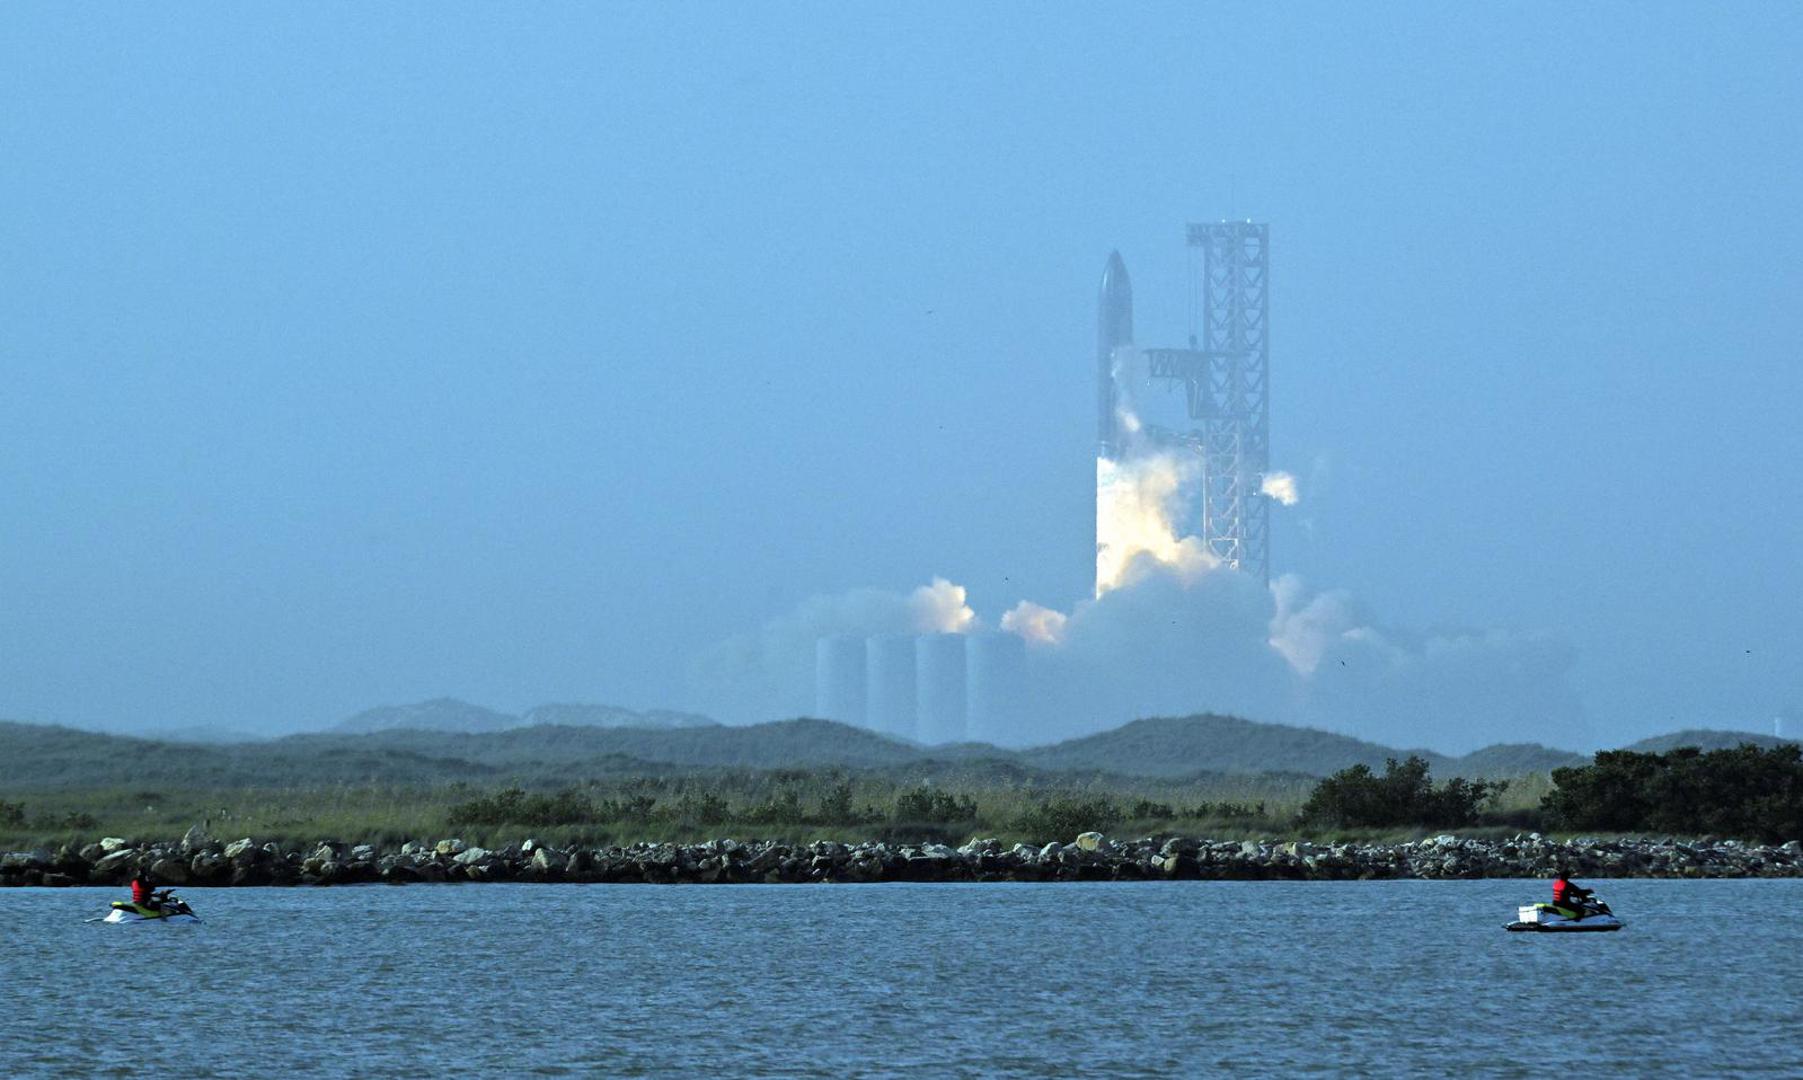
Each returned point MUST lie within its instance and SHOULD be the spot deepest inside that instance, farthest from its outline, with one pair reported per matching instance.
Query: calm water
(1032, 980)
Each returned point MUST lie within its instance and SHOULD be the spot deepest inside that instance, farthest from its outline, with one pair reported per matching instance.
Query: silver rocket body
(1114, 328)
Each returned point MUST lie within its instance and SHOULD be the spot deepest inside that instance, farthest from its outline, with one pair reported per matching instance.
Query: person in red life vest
(1568, 896)
(143, 892)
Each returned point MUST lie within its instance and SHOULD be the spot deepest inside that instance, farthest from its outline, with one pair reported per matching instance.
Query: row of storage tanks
(933, 688)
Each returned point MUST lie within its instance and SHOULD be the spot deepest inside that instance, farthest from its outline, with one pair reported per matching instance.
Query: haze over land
(594, 362)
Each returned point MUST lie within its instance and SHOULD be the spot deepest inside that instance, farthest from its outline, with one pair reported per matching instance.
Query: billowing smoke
(940, 608)
(1136, 503)
(769, 673)
(1281, 486)
(1171, 631)
(1037, 624)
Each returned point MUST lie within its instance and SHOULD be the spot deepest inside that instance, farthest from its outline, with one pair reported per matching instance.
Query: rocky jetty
(199, 860)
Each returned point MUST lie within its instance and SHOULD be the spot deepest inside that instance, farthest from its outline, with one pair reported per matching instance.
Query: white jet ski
(1593, 917)
(168, 908)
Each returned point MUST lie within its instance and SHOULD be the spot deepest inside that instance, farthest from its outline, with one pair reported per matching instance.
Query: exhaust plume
(1136, 504)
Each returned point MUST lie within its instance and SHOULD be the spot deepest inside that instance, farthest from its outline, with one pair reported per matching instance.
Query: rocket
(1114, 328)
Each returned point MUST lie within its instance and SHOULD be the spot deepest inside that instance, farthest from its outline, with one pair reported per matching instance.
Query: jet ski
(1592, 916)
(168, 908)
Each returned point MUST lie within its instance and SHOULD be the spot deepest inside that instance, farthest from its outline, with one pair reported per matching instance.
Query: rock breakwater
(198, 860)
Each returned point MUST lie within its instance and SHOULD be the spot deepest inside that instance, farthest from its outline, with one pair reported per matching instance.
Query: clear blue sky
(351, 356)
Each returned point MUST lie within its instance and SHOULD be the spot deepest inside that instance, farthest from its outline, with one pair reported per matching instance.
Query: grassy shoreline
(788, 805)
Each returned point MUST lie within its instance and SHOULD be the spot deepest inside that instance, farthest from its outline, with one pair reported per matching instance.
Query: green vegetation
(1749, 792)
(809, 779)
(1403, 795)
(795, 804)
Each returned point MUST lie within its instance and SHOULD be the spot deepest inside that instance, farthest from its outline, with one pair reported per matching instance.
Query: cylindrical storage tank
(996, 686)
(892, 701)
(939, 684)
(839, 679)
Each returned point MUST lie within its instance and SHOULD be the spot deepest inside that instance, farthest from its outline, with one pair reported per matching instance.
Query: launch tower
(1223, 373)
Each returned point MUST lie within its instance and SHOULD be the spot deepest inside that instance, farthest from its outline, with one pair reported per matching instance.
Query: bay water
(1105, 979)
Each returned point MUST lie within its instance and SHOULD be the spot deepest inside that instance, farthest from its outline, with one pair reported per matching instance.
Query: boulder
(401, 873)
(363, 853)
(546, 861)
(35, 859)
(122, 861)
(239, 848)
(246, 873)
(194, 840)
(1089, 841)
(469, 856)
(450, 847)
(169, 871)
(111, 844)
(1177, 865)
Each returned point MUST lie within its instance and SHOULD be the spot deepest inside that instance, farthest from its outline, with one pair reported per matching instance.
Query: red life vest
(1561, 888)
(140, 892)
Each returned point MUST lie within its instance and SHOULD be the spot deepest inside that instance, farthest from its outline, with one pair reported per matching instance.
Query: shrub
(1745, 792)
(637, 810)
(929, 806)
(1062, 819)
(513, 806)
(783, 808)
(1146, 808)
(709, 809)
(835, 806)
(1230, 811)
(11, 814)
(1403, 795)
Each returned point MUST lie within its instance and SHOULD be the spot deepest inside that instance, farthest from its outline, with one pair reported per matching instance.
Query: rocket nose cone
(1114, 275)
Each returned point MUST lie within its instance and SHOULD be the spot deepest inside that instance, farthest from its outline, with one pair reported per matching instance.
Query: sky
(526, 354)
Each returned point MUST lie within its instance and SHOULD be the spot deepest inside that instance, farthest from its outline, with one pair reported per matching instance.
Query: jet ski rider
(1568, 896)
(143, 891)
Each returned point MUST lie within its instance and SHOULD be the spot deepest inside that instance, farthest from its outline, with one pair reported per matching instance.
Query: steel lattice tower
(1224, 373)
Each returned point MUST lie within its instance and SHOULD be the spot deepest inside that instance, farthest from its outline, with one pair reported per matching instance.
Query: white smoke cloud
(769, 673)
(940, 608)
(1037, 624)
(1281, 486)
(1304, 627)
(1173, 642)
